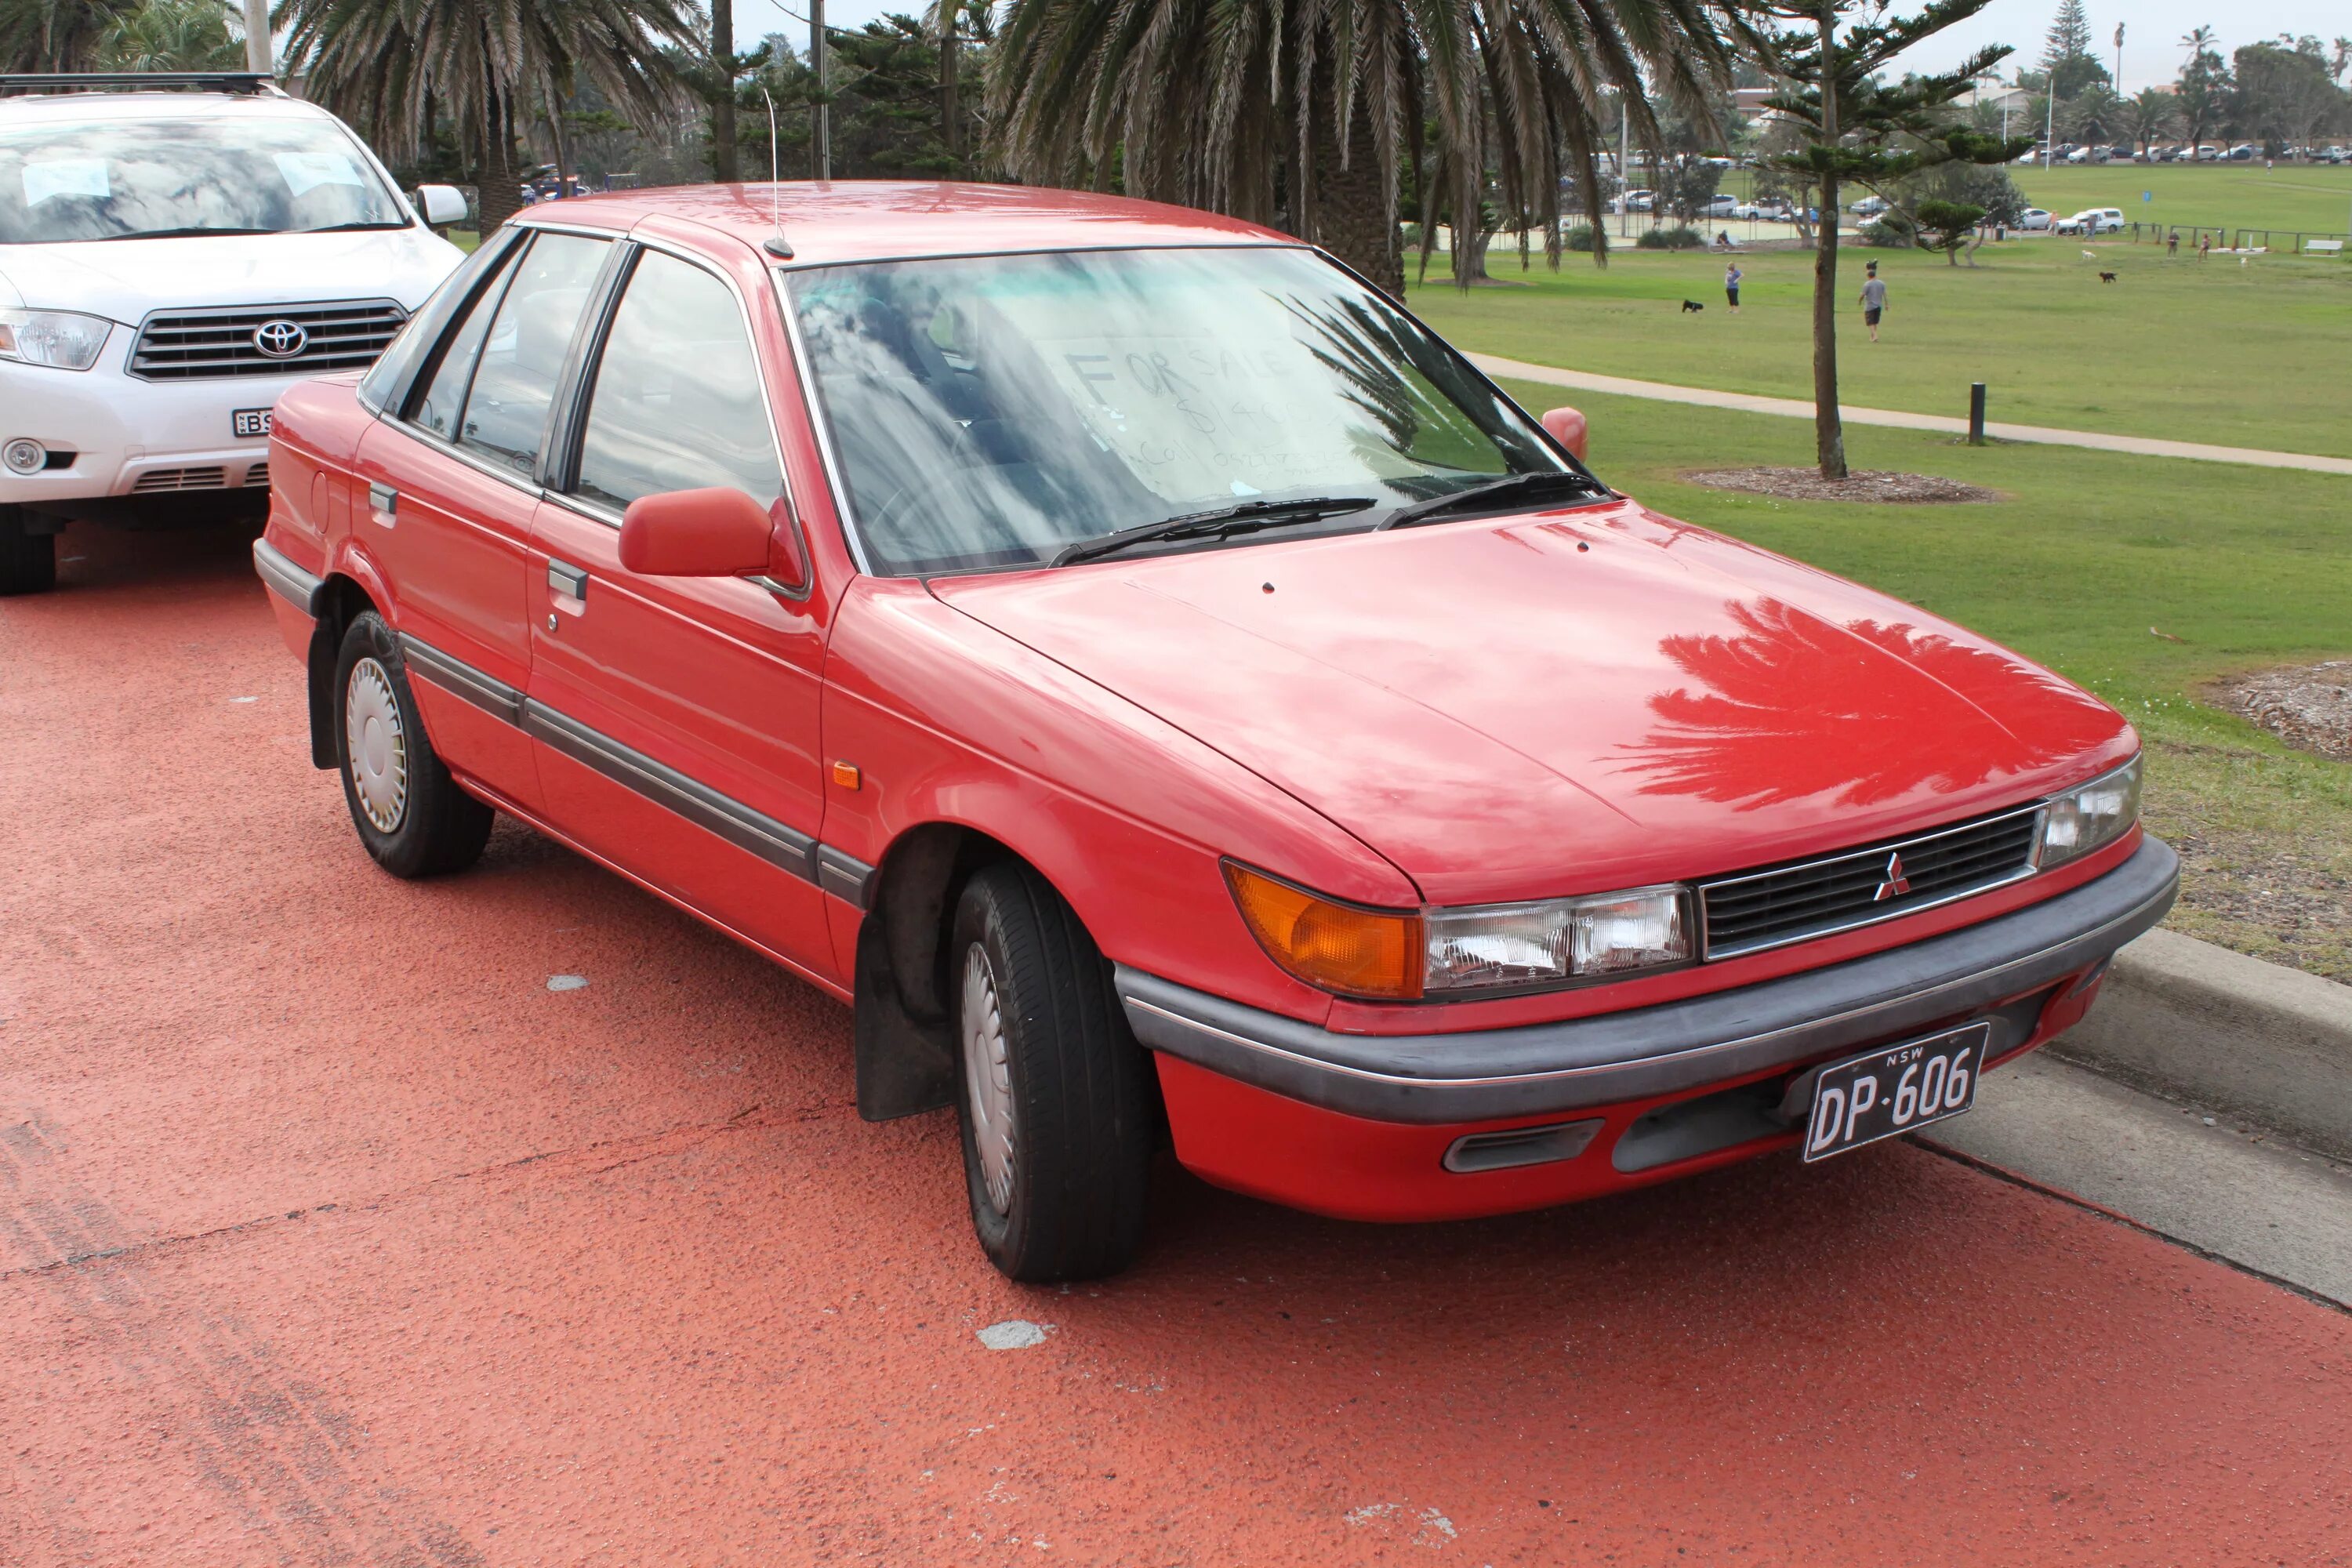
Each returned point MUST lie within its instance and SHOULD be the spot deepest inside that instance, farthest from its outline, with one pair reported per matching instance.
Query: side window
(505, 410)
(436, 407)
(388, 382)
(677, 403)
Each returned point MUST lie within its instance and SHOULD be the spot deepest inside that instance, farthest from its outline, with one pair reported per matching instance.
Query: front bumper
(1650, 1053)
(131, 436)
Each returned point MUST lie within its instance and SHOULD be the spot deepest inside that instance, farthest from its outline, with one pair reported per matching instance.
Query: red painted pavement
(328, 1234)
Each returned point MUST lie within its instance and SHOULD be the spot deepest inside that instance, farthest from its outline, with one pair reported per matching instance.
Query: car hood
(1565, 702)
(125, 280)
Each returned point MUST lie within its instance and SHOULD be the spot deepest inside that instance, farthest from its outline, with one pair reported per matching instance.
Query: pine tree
(2066, 56)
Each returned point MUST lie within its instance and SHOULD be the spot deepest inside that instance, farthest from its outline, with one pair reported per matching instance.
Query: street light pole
(823, 138)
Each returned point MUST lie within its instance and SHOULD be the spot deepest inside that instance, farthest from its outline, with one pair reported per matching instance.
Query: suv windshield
(993, 411)
(142, 178)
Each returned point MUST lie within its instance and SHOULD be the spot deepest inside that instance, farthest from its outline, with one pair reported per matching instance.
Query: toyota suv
(174, 252)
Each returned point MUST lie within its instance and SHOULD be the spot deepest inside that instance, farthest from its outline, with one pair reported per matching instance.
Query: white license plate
(1895, 1089)
(249, 422)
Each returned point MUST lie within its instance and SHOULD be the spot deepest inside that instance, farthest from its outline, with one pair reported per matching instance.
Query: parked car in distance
(2243, 153)
(1870, 206)
(1721, 206)
(1096, 640)
(176, 250)
(1764, 212)
(1636, 201)
(2033, 218)
(2092, 221)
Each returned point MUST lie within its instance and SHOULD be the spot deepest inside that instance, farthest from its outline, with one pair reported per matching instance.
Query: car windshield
(139, 178)
(993, 411)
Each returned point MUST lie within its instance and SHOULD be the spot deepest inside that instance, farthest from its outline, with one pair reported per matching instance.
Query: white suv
(2093, 220)
(174, 252)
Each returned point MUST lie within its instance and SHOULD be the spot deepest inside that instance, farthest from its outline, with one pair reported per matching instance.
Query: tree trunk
(501, 182)
(1354, 217)
(1829, 429)
(724, 164)
(1470, 253)
(948, 66)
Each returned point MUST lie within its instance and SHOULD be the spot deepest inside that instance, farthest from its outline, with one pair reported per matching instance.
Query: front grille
(179, 480)
(192, 345)
(1813, 898)
(256, 475)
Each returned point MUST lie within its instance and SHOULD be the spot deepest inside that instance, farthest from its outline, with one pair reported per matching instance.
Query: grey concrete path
(2262, 1205)
(1749, 403)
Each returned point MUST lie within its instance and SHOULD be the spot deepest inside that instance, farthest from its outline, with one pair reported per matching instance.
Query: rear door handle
(383, 505)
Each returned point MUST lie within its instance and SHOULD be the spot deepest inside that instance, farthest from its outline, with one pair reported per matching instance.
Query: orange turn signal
(1336, 947)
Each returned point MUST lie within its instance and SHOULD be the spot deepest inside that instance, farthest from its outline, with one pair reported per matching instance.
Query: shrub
(1579, 237)
(1682, 236)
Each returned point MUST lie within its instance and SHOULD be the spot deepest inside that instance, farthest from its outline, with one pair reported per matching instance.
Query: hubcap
(988, 1077)
(377, 746)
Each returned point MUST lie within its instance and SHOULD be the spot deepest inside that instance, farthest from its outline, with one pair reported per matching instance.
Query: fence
(2289, 241)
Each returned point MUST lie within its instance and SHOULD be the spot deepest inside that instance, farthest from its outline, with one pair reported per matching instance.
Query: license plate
(1893, 1089)
(249, 421)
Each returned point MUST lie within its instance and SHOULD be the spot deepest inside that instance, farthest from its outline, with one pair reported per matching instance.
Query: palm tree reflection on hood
(1796, 706)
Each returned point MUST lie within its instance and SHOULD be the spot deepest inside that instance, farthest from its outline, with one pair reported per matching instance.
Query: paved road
(330, 1234)
(1797, 408)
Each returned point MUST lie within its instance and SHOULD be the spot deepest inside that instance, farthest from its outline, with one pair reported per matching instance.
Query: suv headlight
(61, 340)
(1560, 940)
(2087, 818)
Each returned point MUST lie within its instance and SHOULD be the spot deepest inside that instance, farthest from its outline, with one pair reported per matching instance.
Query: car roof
(70, 108)
(883, 220)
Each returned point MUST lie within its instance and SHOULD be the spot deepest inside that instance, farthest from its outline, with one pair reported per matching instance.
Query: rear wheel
(29, 560)
(411, 815)
(1058, 1126)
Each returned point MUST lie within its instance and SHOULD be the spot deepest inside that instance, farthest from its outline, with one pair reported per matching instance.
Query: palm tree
(1305, 114)
(54, 35)
(393, 65)
(2150, 113)
(170, 36)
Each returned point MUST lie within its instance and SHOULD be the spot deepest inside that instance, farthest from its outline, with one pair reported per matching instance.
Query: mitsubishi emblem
(1897, 884)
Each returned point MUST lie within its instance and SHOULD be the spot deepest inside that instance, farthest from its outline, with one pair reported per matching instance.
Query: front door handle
(569, 583)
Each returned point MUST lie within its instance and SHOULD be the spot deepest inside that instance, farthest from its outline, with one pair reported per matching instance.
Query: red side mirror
(715, 532)
(1566, 428)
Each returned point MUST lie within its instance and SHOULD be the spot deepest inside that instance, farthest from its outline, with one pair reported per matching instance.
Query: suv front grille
(1861, 886)
(190, 345)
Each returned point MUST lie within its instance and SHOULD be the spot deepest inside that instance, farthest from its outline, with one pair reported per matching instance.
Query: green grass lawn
(2249, 568)
(2313, 198)
(2259, 355)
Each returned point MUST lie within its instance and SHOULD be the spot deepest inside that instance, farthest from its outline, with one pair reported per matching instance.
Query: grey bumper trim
(1579, 1063)
(459, 679)
(285, 579)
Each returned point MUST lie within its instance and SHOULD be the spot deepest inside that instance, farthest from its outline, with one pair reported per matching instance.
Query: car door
(677, 717)
(451, 486)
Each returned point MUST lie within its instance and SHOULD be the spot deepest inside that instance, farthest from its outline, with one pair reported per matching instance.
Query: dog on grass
(2107, 277)
(1690, 305)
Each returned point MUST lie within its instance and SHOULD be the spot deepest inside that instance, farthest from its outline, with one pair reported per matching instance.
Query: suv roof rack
(258, 83)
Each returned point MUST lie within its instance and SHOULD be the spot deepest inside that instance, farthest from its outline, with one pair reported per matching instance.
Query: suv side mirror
(442, 204)
(1566, 428)
(715, 533)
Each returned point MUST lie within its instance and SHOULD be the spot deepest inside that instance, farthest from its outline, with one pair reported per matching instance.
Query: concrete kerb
(2192, 1021)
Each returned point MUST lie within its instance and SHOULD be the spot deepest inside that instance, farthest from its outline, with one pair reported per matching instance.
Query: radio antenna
(775, 244)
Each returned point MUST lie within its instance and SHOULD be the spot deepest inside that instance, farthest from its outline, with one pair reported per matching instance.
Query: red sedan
(1160, 685)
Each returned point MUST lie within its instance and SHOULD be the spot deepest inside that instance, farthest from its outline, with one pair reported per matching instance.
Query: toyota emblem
(280, 339)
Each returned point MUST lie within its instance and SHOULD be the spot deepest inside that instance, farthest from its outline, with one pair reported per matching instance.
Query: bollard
(1976, 414)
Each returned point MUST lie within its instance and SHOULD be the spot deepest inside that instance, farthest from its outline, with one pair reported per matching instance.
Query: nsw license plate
(1893, 1089)
(249, 422)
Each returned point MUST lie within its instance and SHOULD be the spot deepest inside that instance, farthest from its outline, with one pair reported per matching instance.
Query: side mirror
(442, 204)
(1566, 428)
(715, 532)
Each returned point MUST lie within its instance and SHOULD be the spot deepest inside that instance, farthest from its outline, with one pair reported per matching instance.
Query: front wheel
(411, 815)
(29, 560)
(1058, 1124)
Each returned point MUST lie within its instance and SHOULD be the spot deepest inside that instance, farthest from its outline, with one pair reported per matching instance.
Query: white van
(174, 252)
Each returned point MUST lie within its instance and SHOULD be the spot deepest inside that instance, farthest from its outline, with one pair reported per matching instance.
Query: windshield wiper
(1494, 492)
(347, 228)
(181, 233)
(1246, 518)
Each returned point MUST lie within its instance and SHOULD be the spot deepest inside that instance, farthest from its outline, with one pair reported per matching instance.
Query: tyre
(1059, 1125)
(29, 560)
(411, 815)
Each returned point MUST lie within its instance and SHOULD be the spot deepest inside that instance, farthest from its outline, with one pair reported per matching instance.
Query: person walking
(2173, 243)
(1874, 300)
(1731, 277)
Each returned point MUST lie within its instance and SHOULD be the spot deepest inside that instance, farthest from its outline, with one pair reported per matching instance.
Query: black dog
(2107, 277)
(1690, 305)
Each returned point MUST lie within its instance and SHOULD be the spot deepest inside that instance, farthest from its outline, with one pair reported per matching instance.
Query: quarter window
(677, 404)
(522, 358)
(445, 395)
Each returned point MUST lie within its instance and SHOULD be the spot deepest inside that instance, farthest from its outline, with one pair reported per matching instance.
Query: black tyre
(29, 560)
(1059, 1124)
(411, 815)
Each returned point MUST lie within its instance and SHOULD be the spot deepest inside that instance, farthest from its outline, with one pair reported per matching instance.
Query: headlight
(1516, 945)
(60, 339)
(2088, 817)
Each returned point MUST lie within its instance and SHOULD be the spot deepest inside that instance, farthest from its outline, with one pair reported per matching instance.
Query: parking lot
(330, 1231)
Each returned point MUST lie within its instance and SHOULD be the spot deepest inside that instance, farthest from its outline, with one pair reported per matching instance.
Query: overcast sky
(2152, 50)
